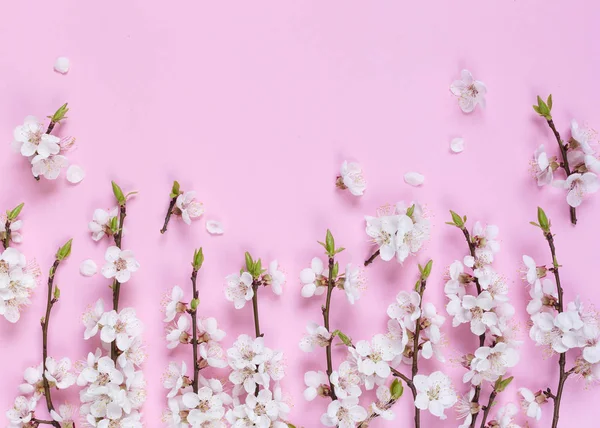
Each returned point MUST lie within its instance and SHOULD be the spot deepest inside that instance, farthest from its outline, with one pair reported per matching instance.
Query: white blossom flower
(531, 272)
(559, 332)
(175, 304)
(373, 358)
(530, 404)
(205, 407)
(465, 408)
(48, 167)
(317, 336)
(15, 234)
(316, 383)
(382, 407)
(120, 264)
(100, 224)
(406, 309)
(542, 167)
(121, 327)
(543, 294)
(505, 416)
(239, 289)
(180, 333)
(91, 319)
(470, 92)
(188, 207)
(277, 277)
(64, 415)
(583, 136)
(58, 373)
(491, 363)
(346, 380)
(578, 185)
(383, 231)
(351, 178)
(344, 413)
(352, 283)
(475, 310)
(31, 139)
(434, 393)
(22, 411)
(175, 378)
(313, 279)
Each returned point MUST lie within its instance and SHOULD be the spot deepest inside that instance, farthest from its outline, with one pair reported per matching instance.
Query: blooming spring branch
(578, 160)
(182, 204)
(488, 311)
(559, 326)
(50, 374)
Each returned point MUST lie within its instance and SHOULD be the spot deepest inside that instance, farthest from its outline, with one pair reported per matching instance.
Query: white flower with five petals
(469, 91)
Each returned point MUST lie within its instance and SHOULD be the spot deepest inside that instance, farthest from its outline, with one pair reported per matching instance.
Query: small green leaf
(118, 193)
(291, 425)
(249, 262)
(457, 220)
(198, 259)
(64, 251)
(329, 243)
(175, 190)
(60, 113)
(335, 270)
(410, 211)
(257, 268)
(345, 339)
(194, 304)
(14, 213)
(396, 389)
(114, 225)
(534, 223)
(339, 250)
(543, 220)
(427, 270)
(549, 102)
(502, 384)
(537, 109)
(56, 293)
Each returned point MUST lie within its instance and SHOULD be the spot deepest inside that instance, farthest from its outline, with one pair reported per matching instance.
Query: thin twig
(372, 258)
(255, 285)
(415, 356)
(169, 214)
(45, 324)
(565, 163)
(195, 332)
(116, 287)
(326, 309)
(486, 409)
(6, 241)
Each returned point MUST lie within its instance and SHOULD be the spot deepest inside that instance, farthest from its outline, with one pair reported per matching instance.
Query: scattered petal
(75, 174)
(62, 64)
(457, 145)
(88, 268)
(214, 227)
(414, 178)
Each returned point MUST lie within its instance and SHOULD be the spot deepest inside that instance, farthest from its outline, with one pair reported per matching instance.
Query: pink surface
(255, 107)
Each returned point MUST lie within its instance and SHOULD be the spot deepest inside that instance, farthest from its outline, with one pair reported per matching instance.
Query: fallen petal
(214, 227)
(457, 145)
(414, 178)
(88, 268)
(75, 174)
(62, 64)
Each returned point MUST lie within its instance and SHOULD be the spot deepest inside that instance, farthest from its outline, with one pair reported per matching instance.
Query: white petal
(62, 64)
(414, 178)
(88, 268)
(75, 174)
(457, 145)
(214, 227)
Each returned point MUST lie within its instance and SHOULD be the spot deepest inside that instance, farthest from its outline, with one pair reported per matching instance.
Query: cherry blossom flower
(31, 138)
(206, 407)
(383, 230)
(470, 92)
(505, 416)
(543, 294)
(65, 415)
(578, 185)
(188, 207)
(346, 380)
(15, 227)
(58, 373)
(382, 407)
(175, 378)
(120, 264)
(583, 136)
(180, 333)
(434, 393)
(406, 309)
(276, 277)
(48, 167)
(344, 413)
(543, 167)
(100, 224)
(175, 304)
(530, 403)
(373, 358)
(352, 283)
(91, 319)
(313, 279)
(317, 336)
(121, 327)
(316, 385)
(22, 411)
(239, 289)
(351, 178)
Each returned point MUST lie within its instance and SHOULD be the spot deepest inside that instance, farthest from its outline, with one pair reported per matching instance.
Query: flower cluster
(578, 160)
(113, 384)
(242, 287)
(558, 326)
(18, 278)
(398, 231)
(182, 204)
(45, 152)
(478, 296)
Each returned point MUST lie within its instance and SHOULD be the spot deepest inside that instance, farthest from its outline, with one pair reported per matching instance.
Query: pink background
(255, 107)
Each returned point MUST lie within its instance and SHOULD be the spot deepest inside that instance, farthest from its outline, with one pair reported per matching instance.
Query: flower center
(121, 264)
(434, 393)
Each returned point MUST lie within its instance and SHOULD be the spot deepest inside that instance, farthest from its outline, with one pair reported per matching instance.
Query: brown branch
(195, 332)
(415, 356)
(372, 258)
(45, 324)
(486, 409)
(565, 163)
(169, 214)
(255, 285)
(326, 309)
(6, 241)
(116, 287)
(562, 359)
